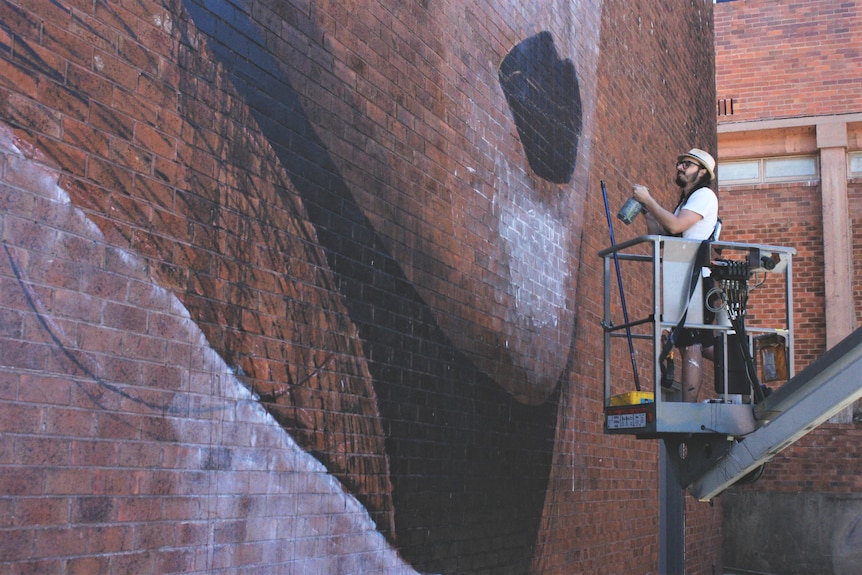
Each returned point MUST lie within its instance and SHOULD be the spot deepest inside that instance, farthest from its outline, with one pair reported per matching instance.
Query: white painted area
(304, 521)
(534, 242)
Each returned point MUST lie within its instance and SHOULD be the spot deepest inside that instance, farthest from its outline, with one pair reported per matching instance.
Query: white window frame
(854, 158)
(756, 180)
(763, 163)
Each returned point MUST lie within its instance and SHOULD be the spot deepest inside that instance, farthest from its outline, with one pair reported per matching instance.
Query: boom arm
(817, 393)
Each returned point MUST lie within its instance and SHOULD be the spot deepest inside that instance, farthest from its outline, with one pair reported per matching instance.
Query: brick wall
(784, 215)
(827, 462)
(788, 61)
(775, 56)
(798, 61)
(637, 140)
(293, 287)
(789, 214)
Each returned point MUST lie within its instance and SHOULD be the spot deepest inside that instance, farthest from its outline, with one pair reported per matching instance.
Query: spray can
(630, 211)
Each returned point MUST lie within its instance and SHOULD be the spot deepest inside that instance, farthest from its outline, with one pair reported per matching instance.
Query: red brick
(59, 542)
(86, 81)
(119, 427)
(10, 324)
(68, 481)
(23, 173)
(115, 70)
(156, 141)
(87, 565)
(21, 480)
(109, 539)
(61, 153)
(139, 562)
(170, 172)
(111, 482)
(17, 544)
(22, 80)
(93, 453)
(137, 509)
(129, 156)
(39, 451)
(72, 306)
(176, 561)
(24, 355)
(63, 44)
(41, 511)
(19, 418)
(155, 92)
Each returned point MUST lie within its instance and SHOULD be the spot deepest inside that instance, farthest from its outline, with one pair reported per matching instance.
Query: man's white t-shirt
(704, 202)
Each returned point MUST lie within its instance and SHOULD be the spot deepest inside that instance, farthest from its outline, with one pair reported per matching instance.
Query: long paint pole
(622, 293)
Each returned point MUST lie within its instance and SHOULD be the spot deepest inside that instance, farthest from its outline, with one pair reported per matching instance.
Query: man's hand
(641, 193)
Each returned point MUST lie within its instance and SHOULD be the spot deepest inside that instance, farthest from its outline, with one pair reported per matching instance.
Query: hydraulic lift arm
(817, 393)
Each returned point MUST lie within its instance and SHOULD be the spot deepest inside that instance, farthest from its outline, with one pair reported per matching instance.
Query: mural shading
(172, 421)
(456, 442)
(542, 91)
(372, 275)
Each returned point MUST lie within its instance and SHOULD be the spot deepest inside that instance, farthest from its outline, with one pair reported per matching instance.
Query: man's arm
(661, 221)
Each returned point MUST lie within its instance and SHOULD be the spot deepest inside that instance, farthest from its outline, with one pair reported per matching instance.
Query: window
(854, 164)
(739, 172)
(800, 168)
(765, 170)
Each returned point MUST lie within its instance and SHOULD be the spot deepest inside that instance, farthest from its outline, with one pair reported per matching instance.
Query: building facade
(790, 173)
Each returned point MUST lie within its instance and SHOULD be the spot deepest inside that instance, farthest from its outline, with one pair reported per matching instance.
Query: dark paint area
(469, 465)
(543, 94)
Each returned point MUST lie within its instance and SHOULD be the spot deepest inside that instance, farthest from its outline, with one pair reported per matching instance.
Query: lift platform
(728, 437)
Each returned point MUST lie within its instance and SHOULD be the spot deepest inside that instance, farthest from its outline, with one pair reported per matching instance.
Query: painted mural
(356, 287)
(187, 402)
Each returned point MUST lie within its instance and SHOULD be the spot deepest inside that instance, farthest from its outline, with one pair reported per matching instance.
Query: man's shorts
(706, 337)
(688, 337)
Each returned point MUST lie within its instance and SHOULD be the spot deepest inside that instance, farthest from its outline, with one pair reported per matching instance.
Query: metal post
(671, 522)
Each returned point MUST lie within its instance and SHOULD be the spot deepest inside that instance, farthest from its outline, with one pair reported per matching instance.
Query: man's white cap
(702, 158)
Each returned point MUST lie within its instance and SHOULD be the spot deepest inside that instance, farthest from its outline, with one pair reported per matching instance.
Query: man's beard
(680, 180)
